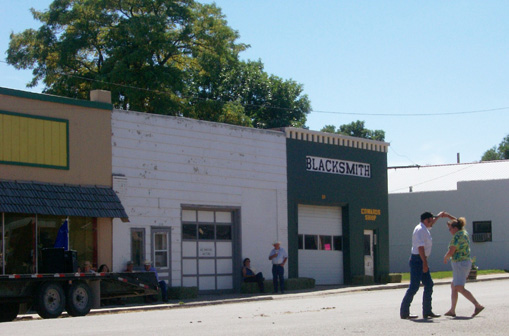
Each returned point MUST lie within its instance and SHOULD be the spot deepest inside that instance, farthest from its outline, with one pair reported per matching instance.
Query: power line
(290, 109)
(415, 114)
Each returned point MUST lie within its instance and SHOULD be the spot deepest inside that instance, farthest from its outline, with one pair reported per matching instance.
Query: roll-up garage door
(320, 244)
(207, 249)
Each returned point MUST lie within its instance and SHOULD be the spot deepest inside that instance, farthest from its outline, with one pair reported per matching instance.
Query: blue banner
(63, 236)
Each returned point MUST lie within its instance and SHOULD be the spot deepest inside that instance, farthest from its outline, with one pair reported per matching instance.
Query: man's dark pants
(416, 276)
(278, 272)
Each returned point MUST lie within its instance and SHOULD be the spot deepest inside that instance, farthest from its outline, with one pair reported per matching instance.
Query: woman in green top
(459, 253)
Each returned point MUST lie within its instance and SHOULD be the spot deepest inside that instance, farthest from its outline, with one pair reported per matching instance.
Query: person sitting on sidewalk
(162, 283)
(249, 275)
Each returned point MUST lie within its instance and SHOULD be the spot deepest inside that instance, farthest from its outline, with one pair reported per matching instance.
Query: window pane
(338, 243)
(161, 259)
(301, 242)
(160, 241)
(189, 231)
(367, 245)
(326, 243)
(224, 232)
(223, 217)
(81, 237)
(188, 215)
(206, 216)
(482, 227)
(311, 242)
(137, 241)
(19, 244)
(206, 232)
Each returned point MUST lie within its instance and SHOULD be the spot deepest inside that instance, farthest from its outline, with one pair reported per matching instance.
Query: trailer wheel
(79, 299)
(8, 311)
(50, 300)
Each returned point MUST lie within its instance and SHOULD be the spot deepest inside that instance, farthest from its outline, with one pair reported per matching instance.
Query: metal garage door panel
(320, 220)
(326, 267)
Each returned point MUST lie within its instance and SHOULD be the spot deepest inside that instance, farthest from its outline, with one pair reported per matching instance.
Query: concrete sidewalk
(207, 300)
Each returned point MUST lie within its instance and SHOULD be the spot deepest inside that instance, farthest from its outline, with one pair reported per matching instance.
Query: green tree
(267, 100)
(158, 56)
(500, 153)
(356, 129)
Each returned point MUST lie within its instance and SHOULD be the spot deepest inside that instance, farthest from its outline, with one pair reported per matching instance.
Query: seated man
(162, 283)
(129, 267)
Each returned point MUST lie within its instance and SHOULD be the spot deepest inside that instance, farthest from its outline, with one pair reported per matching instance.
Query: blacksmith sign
(341, 167)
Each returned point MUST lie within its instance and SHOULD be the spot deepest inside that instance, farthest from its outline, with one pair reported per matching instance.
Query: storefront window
(19, 244)
(81, 237)
(26, 235)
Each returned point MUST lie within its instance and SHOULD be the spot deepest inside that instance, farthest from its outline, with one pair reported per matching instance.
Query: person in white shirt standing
(419, 269)
(279, 257)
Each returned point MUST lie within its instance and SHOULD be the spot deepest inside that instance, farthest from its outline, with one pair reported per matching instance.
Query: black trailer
(50, 294)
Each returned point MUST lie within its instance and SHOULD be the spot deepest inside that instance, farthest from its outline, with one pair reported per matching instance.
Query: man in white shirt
(279, 257)
(419, 269)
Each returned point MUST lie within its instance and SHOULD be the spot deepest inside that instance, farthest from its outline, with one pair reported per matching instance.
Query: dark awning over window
(60, 200)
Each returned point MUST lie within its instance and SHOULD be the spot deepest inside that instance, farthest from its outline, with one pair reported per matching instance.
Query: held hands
(444, 214)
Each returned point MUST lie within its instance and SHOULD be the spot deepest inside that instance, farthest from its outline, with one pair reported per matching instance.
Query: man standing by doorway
(279, 257)
(419, 269)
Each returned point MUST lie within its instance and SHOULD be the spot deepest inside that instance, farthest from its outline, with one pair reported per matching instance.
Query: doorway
(161, 253)
(369, 266)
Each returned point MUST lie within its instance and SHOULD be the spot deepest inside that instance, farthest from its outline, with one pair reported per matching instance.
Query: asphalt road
(354, 313)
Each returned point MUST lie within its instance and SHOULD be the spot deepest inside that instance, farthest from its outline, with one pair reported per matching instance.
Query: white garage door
(207, 249)
(320, 244)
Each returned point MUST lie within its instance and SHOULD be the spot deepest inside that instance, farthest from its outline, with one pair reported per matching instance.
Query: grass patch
(448, 274)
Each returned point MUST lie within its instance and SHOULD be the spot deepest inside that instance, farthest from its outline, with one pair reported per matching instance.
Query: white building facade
(200, 196)
(477, 191)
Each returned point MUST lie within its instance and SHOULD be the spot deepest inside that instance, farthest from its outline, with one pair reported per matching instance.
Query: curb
(165, 306)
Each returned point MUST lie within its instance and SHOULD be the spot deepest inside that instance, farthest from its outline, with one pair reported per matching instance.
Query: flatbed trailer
(50, 294)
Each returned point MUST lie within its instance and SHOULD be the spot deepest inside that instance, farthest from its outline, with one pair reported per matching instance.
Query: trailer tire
(8, 311)
(79, 299)
(50, 300)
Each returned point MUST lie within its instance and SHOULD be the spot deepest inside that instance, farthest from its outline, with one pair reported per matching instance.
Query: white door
(161, 252)
(320, 244)
(369, 267)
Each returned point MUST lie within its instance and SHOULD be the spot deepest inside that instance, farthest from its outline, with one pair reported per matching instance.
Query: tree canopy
(176, 57)
(356, 129)
(498, 153)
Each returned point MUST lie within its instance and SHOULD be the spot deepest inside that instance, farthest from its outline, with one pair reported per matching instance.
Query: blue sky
(434, 75)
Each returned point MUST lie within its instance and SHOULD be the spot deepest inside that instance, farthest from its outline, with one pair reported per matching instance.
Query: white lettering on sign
(341, 167)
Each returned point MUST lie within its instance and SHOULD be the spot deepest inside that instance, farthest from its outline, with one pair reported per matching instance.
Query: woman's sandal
(450, 314)
(477, 311)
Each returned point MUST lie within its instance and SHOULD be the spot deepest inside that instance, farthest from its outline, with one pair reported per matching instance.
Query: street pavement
(206, 300)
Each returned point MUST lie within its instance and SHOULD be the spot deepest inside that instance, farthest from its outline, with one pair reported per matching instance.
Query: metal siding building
(477, 191)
